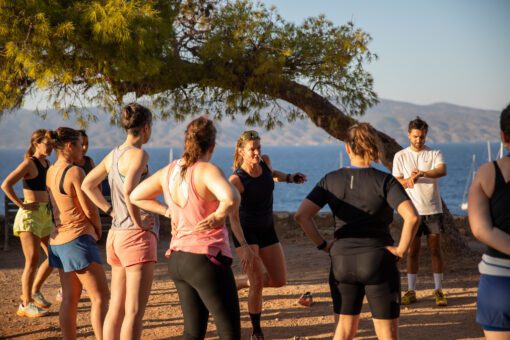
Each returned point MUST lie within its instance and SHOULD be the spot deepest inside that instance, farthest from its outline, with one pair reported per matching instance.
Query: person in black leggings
(254, 177)
(198, 198)
(363, 257)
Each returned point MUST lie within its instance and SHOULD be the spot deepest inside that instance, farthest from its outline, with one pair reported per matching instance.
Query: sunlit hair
(37, 137)
(364, 142)
(418, 124)
(133, 117)
(245, 137)
(504, 121)
(199, 137)
(61, 136)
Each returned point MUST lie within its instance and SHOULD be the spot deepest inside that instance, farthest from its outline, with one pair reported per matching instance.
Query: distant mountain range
(448, 123)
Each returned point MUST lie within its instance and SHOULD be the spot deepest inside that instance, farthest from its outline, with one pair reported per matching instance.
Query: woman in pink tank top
(198, 199)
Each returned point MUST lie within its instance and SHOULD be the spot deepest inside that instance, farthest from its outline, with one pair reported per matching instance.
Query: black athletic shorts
(335, 292)
(261, 236)
(430, 224)
(373, 273)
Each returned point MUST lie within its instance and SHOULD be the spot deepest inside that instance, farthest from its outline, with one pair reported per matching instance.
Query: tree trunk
(336, 123)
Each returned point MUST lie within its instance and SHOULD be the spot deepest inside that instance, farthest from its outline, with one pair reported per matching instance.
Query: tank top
(70, 220)
(122, 220)
(499, 207)
(256, 209)
(38, 183)
(185, 218)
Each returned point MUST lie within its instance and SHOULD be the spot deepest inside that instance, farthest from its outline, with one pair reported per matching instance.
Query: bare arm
(437, 172)
(14, 177)
(144, 195)
(92, 186)
(408, 182)
(479, 212)
(246, 254)
(279, 176)
(75, 177)
(411, 220)
(304, 217)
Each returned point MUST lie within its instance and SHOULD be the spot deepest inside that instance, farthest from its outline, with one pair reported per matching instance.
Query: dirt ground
(282, 318)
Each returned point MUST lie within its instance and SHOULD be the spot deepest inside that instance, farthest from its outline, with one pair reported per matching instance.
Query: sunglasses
(249, 135)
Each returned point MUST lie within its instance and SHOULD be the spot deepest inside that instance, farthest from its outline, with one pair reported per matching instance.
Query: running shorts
(430, 224)
(38, 222)
(129, 247)
(261, 236)
(493, 303)
(372, 273)
(75, 255)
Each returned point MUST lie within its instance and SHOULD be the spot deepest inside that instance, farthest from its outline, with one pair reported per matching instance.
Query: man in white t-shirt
(418, 169)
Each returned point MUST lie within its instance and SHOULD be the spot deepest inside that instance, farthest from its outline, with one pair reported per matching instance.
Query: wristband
(109, 210)
(243, 243)
(288, 178)
(322, 245)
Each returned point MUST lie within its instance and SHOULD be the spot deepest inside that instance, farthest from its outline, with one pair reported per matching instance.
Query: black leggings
(373, 273)
(203, 287)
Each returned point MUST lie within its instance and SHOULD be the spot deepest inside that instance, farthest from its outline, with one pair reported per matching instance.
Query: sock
(255, 322)
(411, 281)
(438, 280)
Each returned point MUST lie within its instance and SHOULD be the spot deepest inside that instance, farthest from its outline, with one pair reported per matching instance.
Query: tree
(225, 58)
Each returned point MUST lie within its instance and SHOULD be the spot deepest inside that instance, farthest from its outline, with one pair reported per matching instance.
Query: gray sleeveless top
(122, 220)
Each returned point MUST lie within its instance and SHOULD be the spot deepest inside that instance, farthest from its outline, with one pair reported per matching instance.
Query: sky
(430, 51)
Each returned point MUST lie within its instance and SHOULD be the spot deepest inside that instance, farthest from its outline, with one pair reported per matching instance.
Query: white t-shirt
(425, 193)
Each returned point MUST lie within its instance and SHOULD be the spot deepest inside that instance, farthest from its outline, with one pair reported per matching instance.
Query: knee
(278, 282)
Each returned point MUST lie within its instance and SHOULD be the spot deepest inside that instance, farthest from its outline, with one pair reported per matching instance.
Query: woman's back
(189, 203)
(70, 219)
(499, 200)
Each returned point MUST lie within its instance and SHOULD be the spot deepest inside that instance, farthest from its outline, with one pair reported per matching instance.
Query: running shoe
(408, 298)
(31, 311)
(306, 299)
(440, 298)
(40, 301)
(257, 336)
(59, 294)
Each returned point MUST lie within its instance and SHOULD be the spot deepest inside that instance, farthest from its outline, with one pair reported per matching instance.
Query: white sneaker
(31, 311)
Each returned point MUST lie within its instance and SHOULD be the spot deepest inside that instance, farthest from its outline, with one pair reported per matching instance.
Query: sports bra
(38, 183)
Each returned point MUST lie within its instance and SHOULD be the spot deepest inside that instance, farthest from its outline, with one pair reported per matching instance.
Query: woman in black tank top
(489, 218)
(254, 178)
(33, 222)
(86, 163)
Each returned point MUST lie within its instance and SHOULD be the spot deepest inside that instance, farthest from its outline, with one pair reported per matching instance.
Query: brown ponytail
(199, 137)
(363, 141)
(245, 136)
(37, 137)
(61, 136)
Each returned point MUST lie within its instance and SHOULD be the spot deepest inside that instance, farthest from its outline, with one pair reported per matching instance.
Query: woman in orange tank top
(73, 249)
(198, 198)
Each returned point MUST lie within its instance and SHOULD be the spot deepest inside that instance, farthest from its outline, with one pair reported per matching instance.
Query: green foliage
(225, 58)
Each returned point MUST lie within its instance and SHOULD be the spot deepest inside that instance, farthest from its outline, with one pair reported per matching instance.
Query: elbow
(5, 185)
